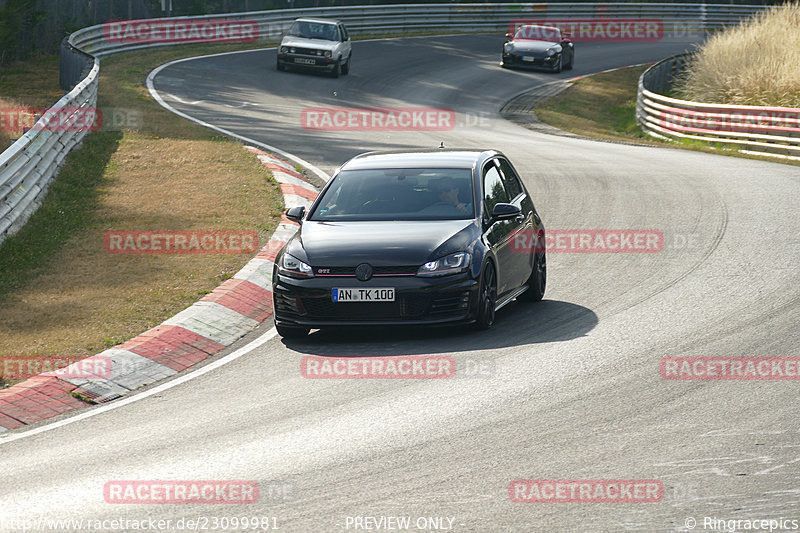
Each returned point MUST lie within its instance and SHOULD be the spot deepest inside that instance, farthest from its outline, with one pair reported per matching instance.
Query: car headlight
(508, 48)
(449, 264)
(293, 267)
(551, 52)
(284, 49)
(327, 53)
(291, 50)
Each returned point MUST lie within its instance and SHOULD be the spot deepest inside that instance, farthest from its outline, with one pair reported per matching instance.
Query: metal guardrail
(755, 130)
(30, 164)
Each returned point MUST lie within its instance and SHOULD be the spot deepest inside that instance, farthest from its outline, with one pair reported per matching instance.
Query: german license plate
(305, 61)
(371, 294)
(528, 58)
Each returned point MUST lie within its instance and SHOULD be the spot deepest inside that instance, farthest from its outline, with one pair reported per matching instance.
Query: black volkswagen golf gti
(411, 238)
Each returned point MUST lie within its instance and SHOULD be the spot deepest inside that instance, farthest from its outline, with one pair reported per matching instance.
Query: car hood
(382, 243)
(317, 44)
(534, 46)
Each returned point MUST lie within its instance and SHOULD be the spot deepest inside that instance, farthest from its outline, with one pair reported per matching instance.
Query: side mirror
(296, 213)
(503, 211)
(509, 36)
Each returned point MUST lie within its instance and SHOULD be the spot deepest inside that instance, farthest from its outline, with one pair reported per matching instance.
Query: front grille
(378, 271)
(306, 51)
(396, 271)
(325, 308)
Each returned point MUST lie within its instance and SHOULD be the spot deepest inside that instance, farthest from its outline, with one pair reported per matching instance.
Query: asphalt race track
(565, 389)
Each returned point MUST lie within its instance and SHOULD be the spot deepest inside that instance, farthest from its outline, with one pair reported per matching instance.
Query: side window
(345, 36)
(493, 190)
(510, 179)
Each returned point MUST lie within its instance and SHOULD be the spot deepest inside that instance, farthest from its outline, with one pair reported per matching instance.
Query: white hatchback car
(313, 43)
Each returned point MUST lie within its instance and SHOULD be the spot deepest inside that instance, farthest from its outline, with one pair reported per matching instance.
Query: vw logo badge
(363, 272)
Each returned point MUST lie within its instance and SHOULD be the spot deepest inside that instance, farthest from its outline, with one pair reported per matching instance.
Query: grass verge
(31, 83)
(60, 292)
(603, 106)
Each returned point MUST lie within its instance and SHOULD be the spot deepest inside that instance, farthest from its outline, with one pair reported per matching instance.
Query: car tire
(558, 66)
(280, 66)
(487, 297)
(346, 66)
(292, 332)
(537, 282)
(571, 61)
(337, 69)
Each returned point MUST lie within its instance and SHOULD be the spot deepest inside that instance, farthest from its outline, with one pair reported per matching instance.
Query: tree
(18, 21)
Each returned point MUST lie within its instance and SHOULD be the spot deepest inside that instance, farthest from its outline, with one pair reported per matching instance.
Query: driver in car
(447, 190)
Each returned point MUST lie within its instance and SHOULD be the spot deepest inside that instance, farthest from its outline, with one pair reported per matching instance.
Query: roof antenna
(441, 145)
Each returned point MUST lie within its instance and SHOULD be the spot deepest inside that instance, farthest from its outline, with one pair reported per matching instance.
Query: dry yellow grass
(756, 63)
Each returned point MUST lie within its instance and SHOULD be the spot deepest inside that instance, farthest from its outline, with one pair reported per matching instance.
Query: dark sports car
(429, 237)
(534, 46)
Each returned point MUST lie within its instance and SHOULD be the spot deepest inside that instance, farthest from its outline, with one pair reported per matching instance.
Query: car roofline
(539, 26)
(476, 156)
(318, 20)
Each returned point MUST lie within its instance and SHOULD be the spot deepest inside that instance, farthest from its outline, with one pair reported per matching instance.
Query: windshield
(398, 194)
(314, 30)
(538, 33)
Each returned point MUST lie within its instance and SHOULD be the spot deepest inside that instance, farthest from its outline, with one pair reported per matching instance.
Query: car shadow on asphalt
(517, 324)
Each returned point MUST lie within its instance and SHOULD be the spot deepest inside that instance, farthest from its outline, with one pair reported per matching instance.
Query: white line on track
(181, 100)
(249, 347)
(157, 97)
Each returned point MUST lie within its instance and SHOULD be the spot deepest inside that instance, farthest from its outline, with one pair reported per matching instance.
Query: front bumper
(307, 61)
(418, 301)
(517, 60)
